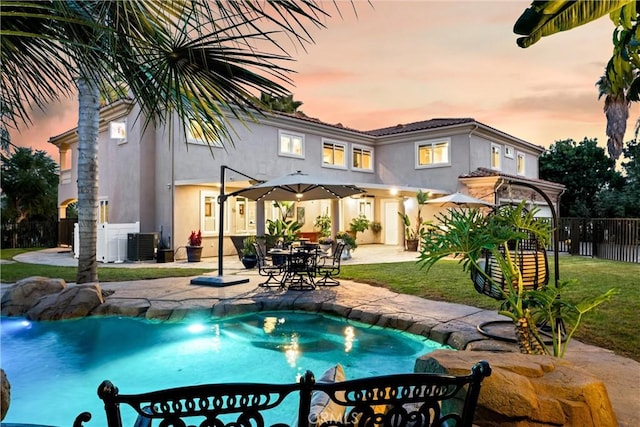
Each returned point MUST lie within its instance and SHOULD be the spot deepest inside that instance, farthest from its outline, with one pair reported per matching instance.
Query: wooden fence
(617, 239)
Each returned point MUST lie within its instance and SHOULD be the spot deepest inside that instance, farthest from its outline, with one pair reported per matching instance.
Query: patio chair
(268, 269)
(329, 266)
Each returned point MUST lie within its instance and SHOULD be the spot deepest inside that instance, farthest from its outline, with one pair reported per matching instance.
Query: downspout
(173, 195)
(475, 128)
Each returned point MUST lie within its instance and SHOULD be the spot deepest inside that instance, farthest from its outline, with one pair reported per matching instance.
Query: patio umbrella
(298, 186)
(459, 200)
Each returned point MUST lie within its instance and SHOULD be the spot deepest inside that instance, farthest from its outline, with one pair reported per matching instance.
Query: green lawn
(11, 273)
(613, 325)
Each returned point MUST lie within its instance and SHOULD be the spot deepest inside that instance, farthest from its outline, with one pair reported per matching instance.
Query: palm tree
(192, 58)
(620, 85)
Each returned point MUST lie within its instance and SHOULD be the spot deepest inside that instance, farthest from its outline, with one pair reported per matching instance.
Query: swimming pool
(54, 368)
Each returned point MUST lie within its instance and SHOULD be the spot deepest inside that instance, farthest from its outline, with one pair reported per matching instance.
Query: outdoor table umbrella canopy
(459, 199)
(298, 186)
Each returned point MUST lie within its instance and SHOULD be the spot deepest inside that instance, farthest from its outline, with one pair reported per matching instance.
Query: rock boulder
(5, 394)
(26, 293)
(525, 390)
(72, 302)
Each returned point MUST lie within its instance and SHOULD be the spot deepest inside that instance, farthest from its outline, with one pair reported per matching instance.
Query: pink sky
(406, 61)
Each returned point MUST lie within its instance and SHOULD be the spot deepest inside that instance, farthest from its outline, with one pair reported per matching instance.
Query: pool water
(54, 368)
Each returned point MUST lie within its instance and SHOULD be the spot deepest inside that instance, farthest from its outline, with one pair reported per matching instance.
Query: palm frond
(544, 18)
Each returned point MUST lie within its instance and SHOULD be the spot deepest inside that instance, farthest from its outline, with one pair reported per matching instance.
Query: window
(209, 209)
(103, 211)
(362, 158)
(520, 162)
(495, 156)
(66, 161)
(365, 207)
(197, 134)
(432, 153)
(508, 151)
(118, 131)
(333, 154)
(245, 215)
(291, 144)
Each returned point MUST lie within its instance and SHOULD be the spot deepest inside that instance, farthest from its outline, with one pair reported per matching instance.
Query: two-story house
(162, 181)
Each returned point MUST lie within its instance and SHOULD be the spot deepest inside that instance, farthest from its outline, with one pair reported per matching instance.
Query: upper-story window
(508, 151)
(362, 158)
(291, 144)
(520, 162)
(333, 154)
(433, 153)
(495, 156)
(118, 131)
(202, 134)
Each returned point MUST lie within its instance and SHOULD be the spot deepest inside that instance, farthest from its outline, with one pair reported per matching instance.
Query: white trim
(433, 143)
(520, 154)
(498, 157)
(371, 154)
(294, 135)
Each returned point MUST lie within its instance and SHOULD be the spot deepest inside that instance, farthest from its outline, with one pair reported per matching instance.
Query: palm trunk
(526, 335)
(88, 119)
(616, 108)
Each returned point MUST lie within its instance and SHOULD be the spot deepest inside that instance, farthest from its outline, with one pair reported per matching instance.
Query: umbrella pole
(220, 279)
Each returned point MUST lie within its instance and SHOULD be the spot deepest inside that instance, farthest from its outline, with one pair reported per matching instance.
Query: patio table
(299, 267)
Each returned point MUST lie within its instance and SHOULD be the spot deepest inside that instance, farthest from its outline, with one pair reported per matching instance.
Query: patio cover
(459, 199)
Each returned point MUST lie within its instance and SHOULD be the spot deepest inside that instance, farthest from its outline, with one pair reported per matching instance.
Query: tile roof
(485, 172)
(400, 128)
(415, 126)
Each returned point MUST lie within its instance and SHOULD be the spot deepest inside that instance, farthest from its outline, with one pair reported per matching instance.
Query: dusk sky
(407, 61)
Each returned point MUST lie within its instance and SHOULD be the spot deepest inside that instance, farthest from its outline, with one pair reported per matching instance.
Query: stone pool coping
(446, 323)
(176, 299)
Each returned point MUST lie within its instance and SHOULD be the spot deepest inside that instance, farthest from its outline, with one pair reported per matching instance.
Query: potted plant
(412, 234)
(283, 231)
(349, 241)
(194, 247)
(325, 243)
(323, 224)
(249, 256)
(467, 234)
(164, 252)
(376, 227)
(358, 225)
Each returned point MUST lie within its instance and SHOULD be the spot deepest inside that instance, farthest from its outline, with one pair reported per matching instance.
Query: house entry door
(390, 227)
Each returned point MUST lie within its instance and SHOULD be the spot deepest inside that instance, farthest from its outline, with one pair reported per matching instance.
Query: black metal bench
(417, 400)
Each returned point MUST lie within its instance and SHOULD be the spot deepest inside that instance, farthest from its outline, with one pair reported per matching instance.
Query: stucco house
(159, 180)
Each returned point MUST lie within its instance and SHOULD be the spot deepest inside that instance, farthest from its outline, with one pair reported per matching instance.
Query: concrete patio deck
(452, 324)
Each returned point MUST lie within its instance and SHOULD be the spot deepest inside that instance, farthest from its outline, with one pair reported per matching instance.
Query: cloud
(56, 119)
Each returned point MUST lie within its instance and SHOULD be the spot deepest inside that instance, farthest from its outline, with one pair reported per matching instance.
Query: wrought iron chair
(329, 267)
(268, 269)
